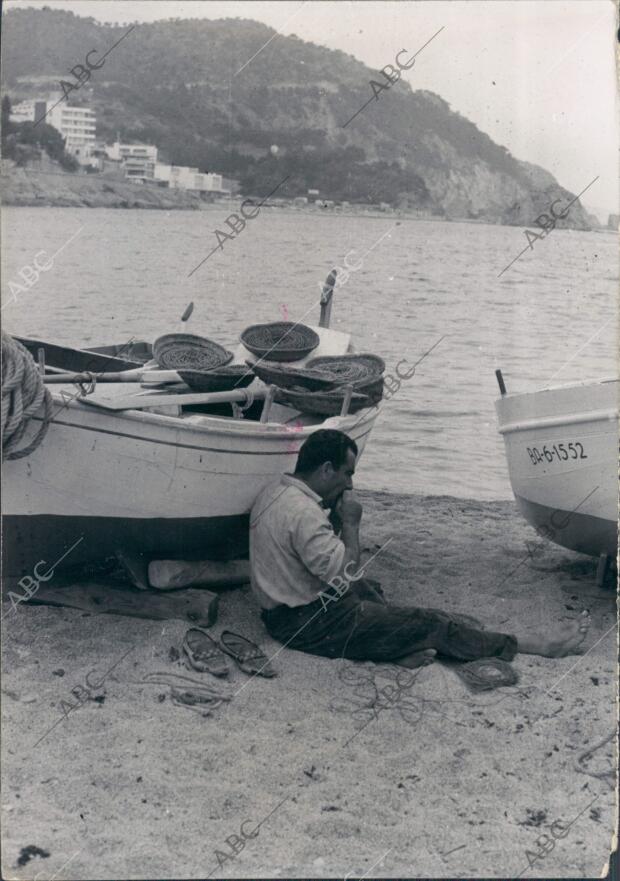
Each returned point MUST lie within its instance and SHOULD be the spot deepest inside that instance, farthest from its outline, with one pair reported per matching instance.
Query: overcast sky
(536, 75)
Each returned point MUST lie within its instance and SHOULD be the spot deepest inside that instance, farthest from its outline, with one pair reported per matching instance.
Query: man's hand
(349, 509)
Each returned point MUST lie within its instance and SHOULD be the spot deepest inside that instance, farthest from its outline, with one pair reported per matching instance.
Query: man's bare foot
(417, 659)
(568, 640)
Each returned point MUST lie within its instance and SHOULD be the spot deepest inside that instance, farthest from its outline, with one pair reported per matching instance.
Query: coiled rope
(24, 395)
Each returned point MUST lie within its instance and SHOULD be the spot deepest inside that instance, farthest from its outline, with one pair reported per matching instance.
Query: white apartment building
(139, 160)
(77, 125)
(184, 178)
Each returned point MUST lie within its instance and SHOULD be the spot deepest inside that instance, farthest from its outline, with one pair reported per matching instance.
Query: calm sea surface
(125, 274)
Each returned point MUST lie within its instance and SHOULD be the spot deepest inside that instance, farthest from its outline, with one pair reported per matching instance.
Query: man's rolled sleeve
(319, 549)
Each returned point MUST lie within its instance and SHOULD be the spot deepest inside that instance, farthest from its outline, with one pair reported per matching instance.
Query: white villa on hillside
(138, 160)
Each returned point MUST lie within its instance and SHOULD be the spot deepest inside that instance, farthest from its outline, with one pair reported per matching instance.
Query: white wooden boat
(168, 486)
(562, 453)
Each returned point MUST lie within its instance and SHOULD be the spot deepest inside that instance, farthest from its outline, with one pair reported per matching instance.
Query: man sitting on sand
(309, 583)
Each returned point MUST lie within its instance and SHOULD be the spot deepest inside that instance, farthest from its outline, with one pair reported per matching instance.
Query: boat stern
(562, 454)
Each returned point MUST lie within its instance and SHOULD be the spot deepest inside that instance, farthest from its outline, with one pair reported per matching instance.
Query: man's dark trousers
(361, 626)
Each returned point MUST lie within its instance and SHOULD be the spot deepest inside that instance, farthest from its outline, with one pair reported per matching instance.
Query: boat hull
(164, 486)
(585, 533)
(47, 538)
(562, 454)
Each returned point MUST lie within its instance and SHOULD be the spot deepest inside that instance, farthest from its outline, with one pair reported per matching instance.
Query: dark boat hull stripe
(29, 539)
(578, 532)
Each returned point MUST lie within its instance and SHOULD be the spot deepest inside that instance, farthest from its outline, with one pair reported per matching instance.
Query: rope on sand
(586, 753)
(24, 395)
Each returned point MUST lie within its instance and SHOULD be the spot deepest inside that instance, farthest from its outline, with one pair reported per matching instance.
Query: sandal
(180, 681)
(485, 674)
(198, 696)
(247, 654)
(194, 699)
(203, 654)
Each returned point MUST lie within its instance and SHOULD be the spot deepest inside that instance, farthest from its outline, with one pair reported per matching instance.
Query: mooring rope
(24, 395)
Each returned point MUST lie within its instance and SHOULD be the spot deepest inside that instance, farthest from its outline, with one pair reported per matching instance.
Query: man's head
(326, 462)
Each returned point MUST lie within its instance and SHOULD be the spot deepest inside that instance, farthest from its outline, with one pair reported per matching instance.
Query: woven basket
(320, 403)
(280, 340)
(288, 377)
(363, 372)
(351, 369)
(180, 351)
(222, 379)
(373, 389)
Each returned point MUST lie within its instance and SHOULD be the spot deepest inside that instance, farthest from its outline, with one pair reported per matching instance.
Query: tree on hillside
(6, 123)
(49, 139)
(9, 139)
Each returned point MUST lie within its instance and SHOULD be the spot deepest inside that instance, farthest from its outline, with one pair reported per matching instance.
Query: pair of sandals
(205, 655)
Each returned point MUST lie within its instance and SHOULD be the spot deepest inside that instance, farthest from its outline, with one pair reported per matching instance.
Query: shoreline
(131, 785)
(29, 189)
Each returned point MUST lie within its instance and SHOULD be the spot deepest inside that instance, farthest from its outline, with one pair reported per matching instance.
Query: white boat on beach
(169, 486)
(562, 453)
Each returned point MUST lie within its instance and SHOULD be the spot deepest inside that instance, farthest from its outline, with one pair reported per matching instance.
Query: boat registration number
(559, 452)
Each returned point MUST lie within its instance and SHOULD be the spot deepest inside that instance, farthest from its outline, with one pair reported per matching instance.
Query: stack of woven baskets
(318, 388)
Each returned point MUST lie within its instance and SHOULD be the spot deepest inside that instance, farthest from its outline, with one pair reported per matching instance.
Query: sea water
(113, 274)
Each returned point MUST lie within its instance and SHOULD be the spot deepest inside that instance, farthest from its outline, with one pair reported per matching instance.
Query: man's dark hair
(325, 445)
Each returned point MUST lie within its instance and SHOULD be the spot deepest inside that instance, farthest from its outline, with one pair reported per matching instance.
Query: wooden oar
(145, 399)
(137, 375)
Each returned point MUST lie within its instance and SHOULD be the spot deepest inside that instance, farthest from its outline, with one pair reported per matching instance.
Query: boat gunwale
(584, 384)
(555, 421)
(176, 443)
(217, 426)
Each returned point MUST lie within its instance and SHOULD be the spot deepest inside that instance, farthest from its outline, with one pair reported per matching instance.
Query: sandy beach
(440, 783)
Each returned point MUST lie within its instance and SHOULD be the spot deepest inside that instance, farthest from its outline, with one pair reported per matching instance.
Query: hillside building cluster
(139, 162)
